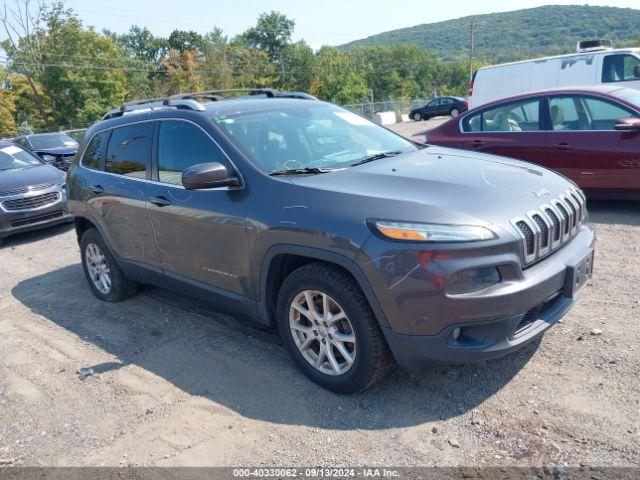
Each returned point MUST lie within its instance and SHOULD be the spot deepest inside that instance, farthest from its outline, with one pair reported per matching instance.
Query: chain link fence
(400, 107)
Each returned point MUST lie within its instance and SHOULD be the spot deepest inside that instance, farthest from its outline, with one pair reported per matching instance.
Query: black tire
(121, 287)
(417, 116)
(373, 358)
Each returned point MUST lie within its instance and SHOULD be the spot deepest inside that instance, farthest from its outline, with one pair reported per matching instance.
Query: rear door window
(578, 112)
(95, 152)
(522, 116)
(129, 150)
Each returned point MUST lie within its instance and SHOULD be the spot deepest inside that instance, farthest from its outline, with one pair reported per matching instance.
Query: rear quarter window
(94, 154)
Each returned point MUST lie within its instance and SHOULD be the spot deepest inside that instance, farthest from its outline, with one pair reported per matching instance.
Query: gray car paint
(219, 244)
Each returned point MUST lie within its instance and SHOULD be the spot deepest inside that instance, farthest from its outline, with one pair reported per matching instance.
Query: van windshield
(309, 135)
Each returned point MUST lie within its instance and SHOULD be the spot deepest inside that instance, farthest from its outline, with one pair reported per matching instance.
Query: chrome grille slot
(544, 230)
(550, 226)
(565, 217)
(529, 236)
(555, 224)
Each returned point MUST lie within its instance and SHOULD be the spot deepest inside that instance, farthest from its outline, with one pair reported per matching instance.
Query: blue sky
(320, 22)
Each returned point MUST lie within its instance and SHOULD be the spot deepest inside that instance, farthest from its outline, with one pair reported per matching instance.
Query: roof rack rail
(183, 101)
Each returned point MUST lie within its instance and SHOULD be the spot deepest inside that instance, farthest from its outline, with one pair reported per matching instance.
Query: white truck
(596, 62)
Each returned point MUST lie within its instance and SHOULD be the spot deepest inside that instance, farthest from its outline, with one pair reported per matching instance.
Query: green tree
(298, 65)
(337, 79)
(272, 34)
(140, 44)
(183, 40)
(7, 105)
(74, 67)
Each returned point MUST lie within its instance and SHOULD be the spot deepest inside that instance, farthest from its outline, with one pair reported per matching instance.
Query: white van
(595, 63)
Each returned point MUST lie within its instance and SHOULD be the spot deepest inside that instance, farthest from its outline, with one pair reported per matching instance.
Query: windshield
(629, 95)
(309, 135)
(51, 140)
(12, 157)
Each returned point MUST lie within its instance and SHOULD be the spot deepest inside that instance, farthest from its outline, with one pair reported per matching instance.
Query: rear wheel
(106, 279)
(417, 116)
(329, 329)
(454, 112)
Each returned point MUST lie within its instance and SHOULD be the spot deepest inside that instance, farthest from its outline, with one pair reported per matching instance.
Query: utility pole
(472, 32)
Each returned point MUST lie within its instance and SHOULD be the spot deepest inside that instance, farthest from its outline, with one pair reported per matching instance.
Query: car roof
(566, 55)
(607, 90)
(229, 106)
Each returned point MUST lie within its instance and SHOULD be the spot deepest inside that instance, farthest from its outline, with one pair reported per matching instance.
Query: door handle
(478, 143)
(160, 201)
(97, 189)
(563, 146)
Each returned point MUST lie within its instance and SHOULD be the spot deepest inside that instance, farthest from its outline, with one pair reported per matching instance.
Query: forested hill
(540, 31)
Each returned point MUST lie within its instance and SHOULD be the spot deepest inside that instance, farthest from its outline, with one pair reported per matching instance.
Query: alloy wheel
(322, 332)
(98, 268)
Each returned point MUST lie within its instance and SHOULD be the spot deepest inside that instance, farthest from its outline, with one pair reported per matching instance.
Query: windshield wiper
(377, 156)
(301, 171)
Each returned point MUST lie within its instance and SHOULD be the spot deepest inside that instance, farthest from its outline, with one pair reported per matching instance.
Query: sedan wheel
(322, 332)
(455, 112)
(417, 117)
(98, 269)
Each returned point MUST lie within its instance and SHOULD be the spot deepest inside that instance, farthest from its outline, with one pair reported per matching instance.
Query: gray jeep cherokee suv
(360, 246)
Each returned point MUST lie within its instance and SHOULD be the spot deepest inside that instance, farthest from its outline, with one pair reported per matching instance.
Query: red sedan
(590, 135)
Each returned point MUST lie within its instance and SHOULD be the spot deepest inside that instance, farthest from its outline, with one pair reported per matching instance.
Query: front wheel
(417, 116)
(329, 329)
(454, 112)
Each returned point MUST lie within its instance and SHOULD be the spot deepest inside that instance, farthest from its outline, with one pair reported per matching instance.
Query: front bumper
(14, 221)
(422, 317)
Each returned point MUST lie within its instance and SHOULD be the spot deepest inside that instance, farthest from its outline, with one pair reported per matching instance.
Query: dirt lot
(160, 380)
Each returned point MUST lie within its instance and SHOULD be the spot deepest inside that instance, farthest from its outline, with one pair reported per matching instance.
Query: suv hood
(25, 177)
(477, 188)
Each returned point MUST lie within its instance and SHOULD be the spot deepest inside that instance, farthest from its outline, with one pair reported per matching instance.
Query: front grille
(39, 219)
(31, 188)
(29, 203)
(552, 225)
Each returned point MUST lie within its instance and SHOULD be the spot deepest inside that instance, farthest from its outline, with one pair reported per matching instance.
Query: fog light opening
(456, 334)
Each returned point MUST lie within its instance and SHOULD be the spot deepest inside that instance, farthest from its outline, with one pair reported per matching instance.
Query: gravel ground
(161, 380)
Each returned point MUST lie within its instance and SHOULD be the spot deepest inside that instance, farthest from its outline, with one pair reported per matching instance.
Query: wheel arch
(280, 260)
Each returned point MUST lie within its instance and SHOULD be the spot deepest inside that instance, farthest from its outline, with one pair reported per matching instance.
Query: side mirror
(628, 125)
(636, 71)
(208, 175)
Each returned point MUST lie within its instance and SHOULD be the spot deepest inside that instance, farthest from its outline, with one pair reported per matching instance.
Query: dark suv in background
(56, 148)
(359, 245)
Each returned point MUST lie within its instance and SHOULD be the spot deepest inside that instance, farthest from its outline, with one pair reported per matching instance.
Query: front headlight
(431, 232)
